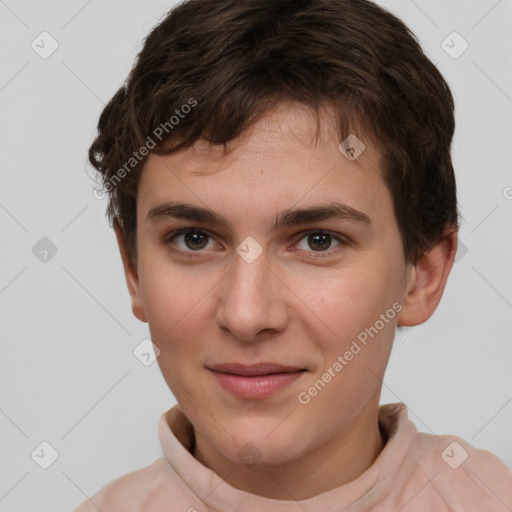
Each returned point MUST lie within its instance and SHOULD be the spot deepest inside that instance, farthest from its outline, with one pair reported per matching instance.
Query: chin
(278, 448)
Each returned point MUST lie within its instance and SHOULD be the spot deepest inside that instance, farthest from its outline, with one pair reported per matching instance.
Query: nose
(252, 301)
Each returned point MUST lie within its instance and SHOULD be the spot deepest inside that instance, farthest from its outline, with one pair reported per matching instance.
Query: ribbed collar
(177, 439)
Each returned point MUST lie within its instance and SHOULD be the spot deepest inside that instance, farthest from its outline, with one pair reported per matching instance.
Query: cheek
(356, 346)
(348, 302)
(356, 350)
(171, 298)
(176, 317)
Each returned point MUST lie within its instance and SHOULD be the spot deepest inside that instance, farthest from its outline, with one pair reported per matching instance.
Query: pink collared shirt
(415, 472)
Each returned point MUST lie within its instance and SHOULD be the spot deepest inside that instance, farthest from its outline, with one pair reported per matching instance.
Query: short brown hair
(239, 59)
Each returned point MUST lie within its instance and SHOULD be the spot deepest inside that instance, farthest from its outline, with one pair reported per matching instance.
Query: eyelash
(194, 254)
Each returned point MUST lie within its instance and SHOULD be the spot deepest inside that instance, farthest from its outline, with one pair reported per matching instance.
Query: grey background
(68, 374)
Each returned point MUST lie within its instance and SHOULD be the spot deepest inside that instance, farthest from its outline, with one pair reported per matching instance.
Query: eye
(320, 241)
(193, 239)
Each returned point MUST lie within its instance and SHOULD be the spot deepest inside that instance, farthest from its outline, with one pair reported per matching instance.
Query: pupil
(192, 238)
(315, 237)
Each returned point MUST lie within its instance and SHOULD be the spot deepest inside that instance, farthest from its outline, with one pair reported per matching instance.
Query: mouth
(255, 381)
(253, 370)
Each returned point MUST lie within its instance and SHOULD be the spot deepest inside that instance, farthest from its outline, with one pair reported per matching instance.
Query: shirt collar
(177, 439)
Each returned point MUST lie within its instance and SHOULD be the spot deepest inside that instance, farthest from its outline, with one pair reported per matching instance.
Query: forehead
(291, 130)
(278, 162)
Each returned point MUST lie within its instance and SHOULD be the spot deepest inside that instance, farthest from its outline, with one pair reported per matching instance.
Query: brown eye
(193, 240)
(318, 241)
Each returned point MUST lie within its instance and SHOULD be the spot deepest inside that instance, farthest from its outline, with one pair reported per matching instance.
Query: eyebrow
(289, 217)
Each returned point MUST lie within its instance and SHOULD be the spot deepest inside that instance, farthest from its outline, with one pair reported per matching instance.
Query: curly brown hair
(232, 61)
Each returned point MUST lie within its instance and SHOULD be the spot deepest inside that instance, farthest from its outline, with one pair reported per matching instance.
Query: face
(253, 282)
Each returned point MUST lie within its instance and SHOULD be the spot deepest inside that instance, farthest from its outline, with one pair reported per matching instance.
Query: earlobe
(428, 280)
(132, 280)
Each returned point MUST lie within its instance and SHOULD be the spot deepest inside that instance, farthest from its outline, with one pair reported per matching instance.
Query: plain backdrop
(68, 373)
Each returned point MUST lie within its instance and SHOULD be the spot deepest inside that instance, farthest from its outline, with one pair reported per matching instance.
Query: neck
(337, 461)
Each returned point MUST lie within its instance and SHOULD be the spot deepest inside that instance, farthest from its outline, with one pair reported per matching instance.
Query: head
(247, 122)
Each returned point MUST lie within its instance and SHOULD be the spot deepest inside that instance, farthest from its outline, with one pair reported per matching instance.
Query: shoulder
(131, 492)
(464, 476)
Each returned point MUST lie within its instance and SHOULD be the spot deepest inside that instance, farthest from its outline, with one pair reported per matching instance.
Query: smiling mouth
(255, 381)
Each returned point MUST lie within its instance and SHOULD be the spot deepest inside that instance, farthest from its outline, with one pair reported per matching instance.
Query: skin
(296, 304)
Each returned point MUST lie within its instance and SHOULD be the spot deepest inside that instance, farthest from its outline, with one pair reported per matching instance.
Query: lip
(255, 381)
(251, 370)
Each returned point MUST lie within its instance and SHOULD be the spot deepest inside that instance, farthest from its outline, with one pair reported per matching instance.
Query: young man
(283, 196)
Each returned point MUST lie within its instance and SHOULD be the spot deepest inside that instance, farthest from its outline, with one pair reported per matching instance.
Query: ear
(427, 281)
(132, 279)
